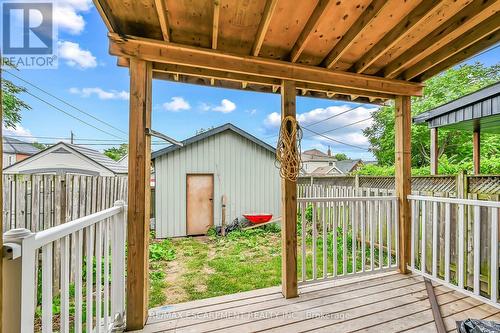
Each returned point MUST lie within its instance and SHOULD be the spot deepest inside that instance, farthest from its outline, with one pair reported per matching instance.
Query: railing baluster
(424, 236)
(389, 233)
(494, 256)
(65, 284)
(380, 239)
(354, 221)
(89, 236)
(106, 275)
(434, 237)
(78, 280)
(363, 236)
(47, 288)
(98, 276)
(447, 241)
(413, 233)
(344, 237)
(314, 241)
(477, 249)
(334, 245)
(396, 229)
(325, 241)
(461, 249)
(303, 239)
(372, 235)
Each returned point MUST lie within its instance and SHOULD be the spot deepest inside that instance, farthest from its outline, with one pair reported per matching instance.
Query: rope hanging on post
(288, 149)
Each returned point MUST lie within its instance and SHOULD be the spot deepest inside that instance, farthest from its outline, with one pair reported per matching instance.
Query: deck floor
(388, 302)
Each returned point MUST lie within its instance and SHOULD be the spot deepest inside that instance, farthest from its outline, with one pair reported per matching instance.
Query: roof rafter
(348, 39)
(413, 19)
(464, 54)
(447, 51)
(476, 10)
(264, 24)
(161, 10)
(309, 28)
(163, 52)
(215, 24)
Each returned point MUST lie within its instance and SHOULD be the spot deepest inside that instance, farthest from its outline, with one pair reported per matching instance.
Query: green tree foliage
(455, 146)
(341, 157)
(116, 153)
(12, 105)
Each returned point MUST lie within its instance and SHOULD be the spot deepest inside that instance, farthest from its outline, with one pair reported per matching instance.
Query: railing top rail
(44, 237)
(483, 203)
(340, 199)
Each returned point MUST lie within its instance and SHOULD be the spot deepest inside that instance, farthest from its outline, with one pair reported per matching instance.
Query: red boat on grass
(258, 218)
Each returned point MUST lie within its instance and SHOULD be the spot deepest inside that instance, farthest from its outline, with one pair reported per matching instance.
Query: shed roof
(15, 146)
(478, 110)
(346, 166)
(212, 132)
(364, 50)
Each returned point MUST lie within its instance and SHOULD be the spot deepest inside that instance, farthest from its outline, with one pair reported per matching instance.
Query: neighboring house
(313, 159)
(192, 180)
(348, 166)
(15, 150)
(123, 161)
(63, 158)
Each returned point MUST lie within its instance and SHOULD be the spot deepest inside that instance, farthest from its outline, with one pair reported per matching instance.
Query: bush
(161, 251)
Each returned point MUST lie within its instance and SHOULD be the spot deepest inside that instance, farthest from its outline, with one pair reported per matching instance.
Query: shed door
(200, 204)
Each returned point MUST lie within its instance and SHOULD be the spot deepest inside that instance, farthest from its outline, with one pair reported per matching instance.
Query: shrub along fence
(481, 187)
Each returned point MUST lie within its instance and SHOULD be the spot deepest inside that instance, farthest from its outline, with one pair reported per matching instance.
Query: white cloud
(75, 56)
(24, 133)
(100, 93)
(67, 15)
(176, 104)
(226, 106)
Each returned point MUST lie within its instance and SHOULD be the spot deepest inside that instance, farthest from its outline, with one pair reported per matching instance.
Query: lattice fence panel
(386, 183)
(484, 184)
(446, 184)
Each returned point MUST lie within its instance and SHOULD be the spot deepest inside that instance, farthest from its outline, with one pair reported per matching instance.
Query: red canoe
(258, 218)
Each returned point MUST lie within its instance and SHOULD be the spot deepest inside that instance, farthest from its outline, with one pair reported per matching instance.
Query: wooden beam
(477, 10)
(215, 23)
(138, 193)
(457, 58)
(434, 151)
(288, 208)
(163, 52)
(354, 31)
(263, 26)
(447, 51)
(406, 25)
(476, 150)
(102, 11)
(161, 10)
(309, 28)
(402, 127)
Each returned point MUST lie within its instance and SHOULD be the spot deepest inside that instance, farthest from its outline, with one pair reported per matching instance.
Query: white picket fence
(426, 213)
(99, 246)
(369, 223)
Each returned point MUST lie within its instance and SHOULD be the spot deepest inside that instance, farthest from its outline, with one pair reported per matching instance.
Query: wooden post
(223, 213)
(288, 208)
(434, 151)
(476, 150)
(139, 193)
(402, 128)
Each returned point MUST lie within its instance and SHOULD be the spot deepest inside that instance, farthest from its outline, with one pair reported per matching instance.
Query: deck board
(388, 302)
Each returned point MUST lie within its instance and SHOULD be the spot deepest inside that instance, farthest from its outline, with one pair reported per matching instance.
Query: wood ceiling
(402, 40)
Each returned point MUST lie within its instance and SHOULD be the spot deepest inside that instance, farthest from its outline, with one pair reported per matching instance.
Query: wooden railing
(94, 298)
(345, 236)
(449, 258)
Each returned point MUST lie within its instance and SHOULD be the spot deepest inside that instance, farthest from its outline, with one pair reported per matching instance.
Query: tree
(116, 153)
(40, 146)
(455, 146)
(12, 105)
(341, 157)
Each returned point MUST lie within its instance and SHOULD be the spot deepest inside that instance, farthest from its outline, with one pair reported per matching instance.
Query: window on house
(330, 163)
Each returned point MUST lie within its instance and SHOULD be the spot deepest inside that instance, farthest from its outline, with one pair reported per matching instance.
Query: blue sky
(88, 78)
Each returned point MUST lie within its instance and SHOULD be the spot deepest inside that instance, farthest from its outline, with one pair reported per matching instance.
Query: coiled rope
(288, 149)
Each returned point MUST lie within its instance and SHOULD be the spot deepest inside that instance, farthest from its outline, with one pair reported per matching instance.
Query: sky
(88, 79)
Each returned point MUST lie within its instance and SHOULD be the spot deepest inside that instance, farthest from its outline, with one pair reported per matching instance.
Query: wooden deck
(388, 302)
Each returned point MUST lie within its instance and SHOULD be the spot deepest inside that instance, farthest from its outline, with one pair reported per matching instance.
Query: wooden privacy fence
(38, 202)
(457, 187)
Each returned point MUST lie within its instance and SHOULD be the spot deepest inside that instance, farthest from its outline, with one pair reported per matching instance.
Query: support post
(476, 150)
(288, 207)
(434, 151)
(139, 193)
(402, 128)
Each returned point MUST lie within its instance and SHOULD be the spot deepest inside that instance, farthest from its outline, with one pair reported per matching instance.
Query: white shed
(191, 181)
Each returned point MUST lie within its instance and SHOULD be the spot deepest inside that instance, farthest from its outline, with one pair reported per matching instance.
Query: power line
(72, 116)
(337, 141)
(63, 101)
(350, 124)
(110, 141)
(336, 115)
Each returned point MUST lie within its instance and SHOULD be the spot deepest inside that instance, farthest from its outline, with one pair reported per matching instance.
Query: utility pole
(72, 137)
